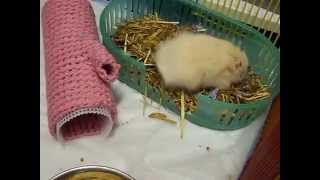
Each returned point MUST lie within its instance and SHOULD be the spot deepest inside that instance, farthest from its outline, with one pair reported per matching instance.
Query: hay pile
(139, 37)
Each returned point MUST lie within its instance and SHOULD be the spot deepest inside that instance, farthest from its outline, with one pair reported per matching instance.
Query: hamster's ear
(233, 65)
(239, 60)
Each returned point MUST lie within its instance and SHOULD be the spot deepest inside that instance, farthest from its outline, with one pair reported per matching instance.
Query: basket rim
(268, 43)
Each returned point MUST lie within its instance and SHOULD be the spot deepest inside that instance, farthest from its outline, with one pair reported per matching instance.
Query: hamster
(192, 61)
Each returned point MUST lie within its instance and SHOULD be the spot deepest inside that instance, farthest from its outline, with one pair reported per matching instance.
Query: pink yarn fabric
(78, 71)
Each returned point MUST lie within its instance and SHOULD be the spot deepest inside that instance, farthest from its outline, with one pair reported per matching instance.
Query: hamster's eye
(229, 69)
(237, 66)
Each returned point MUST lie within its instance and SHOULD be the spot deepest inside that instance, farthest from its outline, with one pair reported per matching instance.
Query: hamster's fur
(192, 61)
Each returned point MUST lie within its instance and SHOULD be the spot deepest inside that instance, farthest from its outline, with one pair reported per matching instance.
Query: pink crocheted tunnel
(78, 71)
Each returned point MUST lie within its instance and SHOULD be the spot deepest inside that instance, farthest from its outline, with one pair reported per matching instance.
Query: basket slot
(241, 115)
(248, 118)
(212, 24)
(130, 75)
(109, 24)
(149, 6)
(208, 19)
(131, 72)
(250, 47)
(196, 16)
(264, 55)
(183, 14)
(239, 36)
(262, 52)
(158, 6)
(237, 118)
(239, 42)
(129, 9)
(143, 8)
(251, 115)
(154, 90)
(231, 32)
(135, 8)
(113, 20)
(234, 34)
(230, 120)
(188, 17)
(125, 69)
(222, 117)
(118, 15)
(131, 69)
(272, 71)
(219, 28)
(274, 76)
(227, 118)
(170, 10)
(124, 10)
(270, 61)
(227, 31)
(201, 19)
(154, 7)
(139, 9)
(164, 9)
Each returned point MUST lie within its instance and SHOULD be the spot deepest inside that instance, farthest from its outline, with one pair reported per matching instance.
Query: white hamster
(192, 61)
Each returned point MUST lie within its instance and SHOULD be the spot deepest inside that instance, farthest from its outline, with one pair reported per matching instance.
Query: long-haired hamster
(192, 61)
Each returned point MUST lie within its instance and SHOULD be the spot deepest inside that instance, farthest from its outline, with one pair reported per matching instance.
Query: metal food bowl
(90, 168)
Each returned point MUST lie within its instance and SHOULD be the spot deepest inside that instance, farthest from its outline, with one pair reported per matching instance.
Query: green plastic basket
(263, 57)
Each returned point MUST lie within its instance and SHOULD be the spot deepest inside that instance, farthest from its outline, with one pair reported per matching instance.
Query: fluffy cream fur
(192, 61)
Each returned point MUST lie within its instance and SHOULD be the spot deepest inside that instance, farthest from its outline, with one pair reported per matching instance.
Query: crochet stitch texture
(78, 71)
